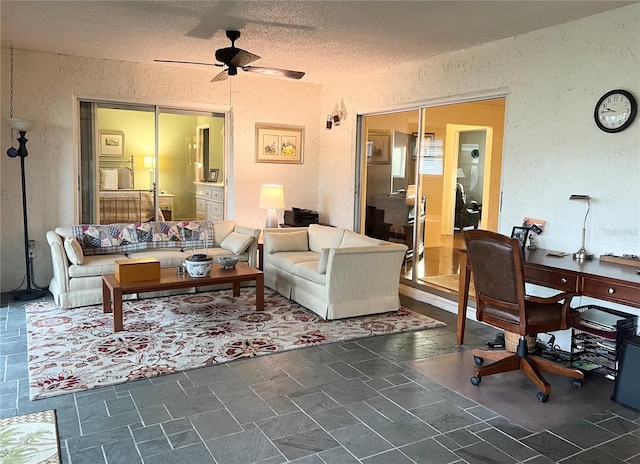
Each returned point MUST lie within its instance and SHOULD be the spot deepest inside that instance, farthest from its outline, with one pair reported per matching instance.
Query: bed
(119, 200)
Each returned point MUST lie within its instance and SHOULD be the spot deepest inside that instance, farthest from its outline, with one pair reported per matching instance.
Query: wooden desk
(601, 280)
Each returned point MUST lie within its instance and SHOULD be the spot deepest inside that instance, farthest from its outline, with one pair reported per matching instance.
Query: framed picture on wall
(112, 143)
(279, 144)
(378, 147)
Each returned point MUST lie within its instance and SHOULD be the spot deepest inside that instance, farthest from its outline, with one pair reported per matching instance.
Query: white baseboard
(435, 300)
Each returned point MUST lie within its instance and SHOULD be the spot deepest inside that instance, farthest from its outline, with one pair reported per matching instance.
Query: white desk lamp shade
(271, 198)
(460, 174)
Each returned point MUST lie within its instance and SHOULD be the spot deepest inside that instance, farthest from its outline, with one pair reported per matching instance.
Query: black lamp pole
(29, 293)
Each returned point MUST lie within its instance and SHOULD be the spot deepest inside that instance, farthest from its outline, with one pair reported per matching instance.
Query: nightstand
(165, 203)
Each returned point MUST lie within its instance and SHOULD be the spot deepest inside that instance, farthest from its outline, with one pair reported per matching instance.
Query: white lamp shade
(271, 196)
(148, 162)
(460, 174)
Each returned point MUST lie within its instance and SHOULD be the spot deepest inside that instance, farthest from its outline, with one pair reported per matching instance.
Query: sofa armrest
(253, 248)
(59, 261)
(364, 272)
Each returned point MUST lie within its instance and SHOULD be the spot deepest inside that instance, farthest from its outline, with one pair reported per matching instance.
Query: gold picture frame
(112, 144)
(277, 143)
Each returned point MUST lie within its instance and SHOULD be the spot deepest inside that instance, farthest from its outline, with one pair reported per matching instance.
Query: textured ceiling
(322, 38)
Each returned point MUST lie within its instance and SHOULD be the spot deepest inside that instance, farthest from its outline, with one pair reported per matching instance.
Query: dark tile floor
(337, 403)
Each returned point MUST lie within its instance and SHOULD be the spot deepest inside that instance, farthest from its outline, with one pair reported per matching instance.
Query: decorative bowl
(228, 262)
(198, 265)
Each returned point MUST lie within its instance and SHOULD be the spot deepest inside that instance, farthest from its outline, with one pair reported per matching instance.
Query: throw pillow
(108, 179)
(236, 243)
(322, 262)
(74, 250)
(354, 239)
(287, 241)
(125, 179)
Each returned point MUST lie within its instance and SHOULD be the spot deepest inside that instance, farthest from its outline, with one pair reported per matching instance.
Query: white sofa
(334, 272)
(81, 254)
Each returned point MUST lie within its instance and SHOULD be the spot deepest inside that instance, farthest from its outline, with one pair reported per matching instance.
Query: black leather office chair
(467, 213)
(497, 266)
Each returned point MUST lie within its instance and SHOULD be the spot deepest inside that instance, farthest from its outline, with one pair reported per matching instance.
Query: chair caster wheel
(577, 383)
(542, 397)
(478, 360)
(475, 380)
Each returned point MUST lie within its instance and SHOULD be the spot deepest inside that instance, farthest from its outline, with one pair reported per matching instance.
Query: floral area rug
(76, 349)
(29, 439)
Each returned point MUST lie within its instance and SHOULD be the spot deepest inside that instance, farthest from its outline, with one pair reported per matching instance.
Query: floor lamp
(23, 126)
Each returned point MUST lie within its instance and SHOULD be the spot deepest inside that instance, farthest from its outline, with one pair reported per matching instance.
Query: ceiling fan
(234, 58)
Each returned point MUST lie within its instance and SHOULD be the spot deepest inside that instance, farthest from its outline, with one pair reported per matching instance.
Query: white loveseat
(334, 272)
(81, 254)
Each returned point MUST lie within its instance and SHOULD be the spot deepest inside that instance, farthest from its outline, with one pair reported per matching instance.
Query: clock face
(615, 111)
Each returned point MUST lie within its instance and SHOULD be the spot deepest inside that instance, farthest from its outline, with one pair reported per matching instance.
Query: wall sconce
(149, 164)
(582, 252)
(271, 198)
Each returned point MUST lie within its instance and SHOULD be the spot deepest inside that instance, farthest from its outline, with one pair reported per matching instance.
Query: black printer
(300, 217)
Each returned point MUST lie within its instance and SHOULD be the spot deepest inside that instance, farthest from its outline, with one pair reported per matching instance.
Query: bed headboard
(116, 174)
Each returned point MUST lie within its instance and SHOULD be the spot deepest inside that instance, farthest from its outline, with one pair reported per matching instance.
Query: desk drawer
(610, 290)
(561, 280)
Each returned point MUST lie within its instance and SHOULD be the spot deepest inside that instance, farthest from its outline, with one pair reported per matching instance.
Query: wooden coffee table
(112, 290)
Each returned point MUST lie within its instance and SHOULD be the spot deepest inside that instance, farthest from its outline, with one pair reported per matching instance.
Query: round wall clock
(615, 111)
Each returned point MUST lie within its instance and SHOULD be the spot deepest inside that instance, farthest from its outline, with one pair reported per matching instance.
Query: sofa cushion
(74, 250)
(287, 241)
(286, 260)
(236, 243)
(64, 232)
(309, 270)
(324, 237)
(353, 239)
(95, 265)
(324, 259)
(221, 229)
(167, 257)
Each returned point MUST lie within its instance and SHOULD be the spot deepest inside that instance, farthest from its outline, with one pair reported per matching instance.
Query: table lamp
(271, 198)
(582, 253)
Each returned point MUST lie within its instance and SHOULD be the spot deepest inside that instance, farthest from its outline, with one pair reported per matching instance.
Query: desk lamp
(582, 253)
(271, 198)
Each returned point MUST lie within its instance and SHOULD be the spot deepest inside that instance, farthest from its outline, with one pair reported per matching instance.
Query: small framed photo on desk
(213, 175)
(521, 233)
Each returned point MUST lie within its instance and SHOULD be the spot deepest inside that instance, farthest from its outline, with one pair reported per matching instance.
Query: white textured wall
(552, 148)
(44, 88)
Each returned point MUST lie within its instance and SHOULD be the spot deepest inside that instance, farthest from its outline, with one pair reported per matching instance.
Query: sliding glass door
(413, 165)
(140, 163)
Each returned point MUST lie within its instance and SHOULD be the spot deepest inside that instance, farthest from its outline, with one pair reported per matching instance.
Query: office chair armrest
(551, 299)
(566, 305)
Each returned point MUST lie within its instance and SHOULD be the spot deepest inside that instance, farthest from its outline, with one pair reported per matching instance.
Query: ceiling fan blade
(188, 62)
(221, 76)
(274, 72)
